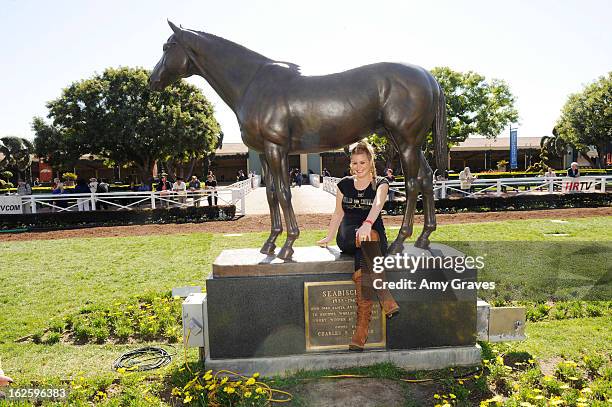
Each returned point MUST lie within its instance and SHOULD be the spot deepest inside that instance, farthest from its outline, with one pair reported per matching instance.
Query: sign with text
(513, 149)
(10, 205)
(579, 184)
(330, 311)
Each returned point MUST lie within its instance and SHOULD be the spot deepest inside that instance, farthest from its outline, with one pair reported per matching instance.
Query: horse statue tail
(439, 131)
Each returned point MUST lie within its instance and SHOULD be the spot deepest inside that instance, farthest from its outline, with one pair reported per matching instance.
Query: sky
(545, 50)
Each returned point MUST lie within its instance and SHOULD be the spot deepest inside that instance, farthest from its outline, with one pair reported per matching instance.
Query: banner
(580, 184)
(513, 149)
(10, 205)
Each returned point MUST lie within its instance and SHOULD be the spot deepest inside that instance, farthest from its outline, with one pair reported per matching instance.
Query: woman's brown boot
(364, 314)
(370, 250)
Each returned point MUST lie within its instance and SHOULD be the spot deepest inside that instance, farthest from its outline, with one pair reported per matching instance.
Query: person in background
(573, 171)
(389, 176)
(211, 186)
(550, 173)
(181, 190)
(93, 185)
(466, 178)
(102, 188)
(298, 177)
(57, 189)
(326, 173)
(23, 188)
(164, 187)
(36, 182)
(82, 188)
(194, 185)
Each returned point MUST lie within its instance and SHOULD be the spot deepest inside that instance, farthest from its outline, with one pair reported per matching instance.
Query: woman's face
(360, 165)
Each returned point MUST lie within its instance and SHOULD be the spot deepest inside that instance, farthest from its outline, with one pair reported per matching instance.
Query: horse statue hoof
(395, 248)
(268, 248)
(285, 253)
(422, 244)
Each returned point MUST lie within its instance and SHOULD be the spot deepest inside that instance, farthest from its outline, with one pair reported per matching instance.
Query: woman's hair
(363, 147)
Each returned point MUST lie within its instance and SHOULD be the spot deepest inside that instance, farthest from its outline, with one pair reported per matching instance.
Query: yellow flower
(229, 390)
(582, 405)
(436, 396)
(586, 390)
(557, 402)
(499, 360)
(176, 391)
(256, 375)
(526, 404)
(225, 379)
(209, 371)
(460, 381)
(259, 390)
(207, 376)
(247, 394)
(581, 399)
(250, 382)
(121, 370)
(188, 399)
(564, 386)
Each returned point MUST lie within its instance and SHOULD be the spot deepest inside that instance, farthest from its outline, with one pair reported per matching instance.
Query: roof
(232, 149)
(501, 143)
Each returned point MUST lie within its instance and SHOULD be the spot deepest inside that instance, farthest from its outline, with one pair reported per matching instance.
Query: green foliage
(15, 152)
(117, 117)
(474, 105)
(586, 117)
(145, 317)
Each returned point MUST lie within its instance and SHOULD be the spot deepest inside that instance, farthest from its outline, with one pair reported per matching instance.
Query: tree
(15, 152)
(586, 118)
(116, 116)
(474, 106)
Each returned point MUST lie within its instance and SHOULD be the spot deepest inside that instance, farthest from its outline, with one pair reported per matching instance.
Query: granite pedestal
(256, 317)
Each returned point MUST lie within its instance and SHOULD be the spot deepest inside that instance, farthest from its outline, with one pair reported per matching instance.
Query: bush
(62, 220)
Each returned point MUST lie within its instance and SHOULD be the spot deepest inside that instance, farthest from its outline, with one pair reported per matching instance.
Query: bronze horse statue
(281, 112)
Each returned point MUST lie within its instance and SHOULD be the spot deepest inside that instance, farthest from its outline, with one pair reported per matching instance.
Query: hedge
(67, 220)
(510, 203)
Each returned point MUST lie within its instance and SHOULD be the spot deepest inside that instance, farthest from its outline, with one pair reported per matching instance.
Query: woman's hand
(325, 241)
(4, 380)
(363, 233)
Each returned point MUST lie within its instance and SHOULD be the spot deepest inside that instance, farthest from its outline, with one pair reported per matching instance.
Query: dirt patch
(260, 223)
(351, 393)
(548, 365)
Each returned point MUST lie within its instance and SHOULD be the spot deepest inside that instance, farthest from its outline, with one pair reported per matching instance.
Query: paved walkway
(305, 199)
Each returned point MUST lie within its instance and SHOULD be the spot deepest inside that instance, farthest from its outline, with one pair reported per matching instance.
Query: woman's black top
(356, 205)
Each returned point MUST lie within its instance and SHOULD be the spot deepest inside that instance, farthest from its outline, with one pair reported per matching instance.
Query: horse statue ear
(176, 29)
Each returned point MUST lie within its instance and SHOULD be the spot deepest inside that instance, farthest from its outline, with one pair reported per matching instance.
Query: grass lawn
(42, 280)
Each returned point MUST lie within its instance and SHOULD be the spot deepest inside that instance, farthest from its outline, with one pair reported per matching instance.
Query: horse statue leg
(407, 140)
(275, 216)
(429, 209)
(278, 162)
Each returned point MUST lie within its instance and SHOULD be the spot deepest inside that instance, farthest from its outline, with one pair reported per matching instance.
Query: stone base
(417, 359)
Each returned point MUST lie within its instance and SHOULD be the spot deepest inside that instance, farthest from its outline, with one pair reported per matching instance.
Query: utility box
(194, 322)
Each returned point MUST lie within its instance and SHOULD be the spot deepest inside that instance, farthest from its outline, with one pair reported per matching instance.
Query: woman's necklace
(360, 192)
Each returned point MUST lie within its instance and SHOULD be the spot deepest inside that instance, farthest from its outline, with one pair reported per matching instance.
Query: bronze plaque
(330, 312)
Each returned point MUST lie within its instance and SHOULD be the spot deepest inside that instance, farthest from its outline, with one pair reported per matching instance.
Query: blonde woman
(359, 201)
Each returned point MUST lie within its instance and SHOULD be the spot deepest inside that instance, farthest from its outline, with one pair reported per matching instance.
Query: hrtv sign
(580, 184)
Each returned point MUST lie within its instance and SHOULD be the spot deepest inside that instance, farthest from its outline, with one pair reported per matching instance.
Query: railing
(234, 194)
(500, 186)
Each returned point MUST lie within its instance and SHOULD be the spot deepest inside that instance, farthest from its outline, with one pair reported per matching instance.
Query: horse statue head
(175, 62)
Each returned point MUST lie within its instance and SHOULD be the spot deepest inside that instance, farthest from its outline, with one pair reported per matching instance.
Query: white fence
(500, 186)
(234, 194)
